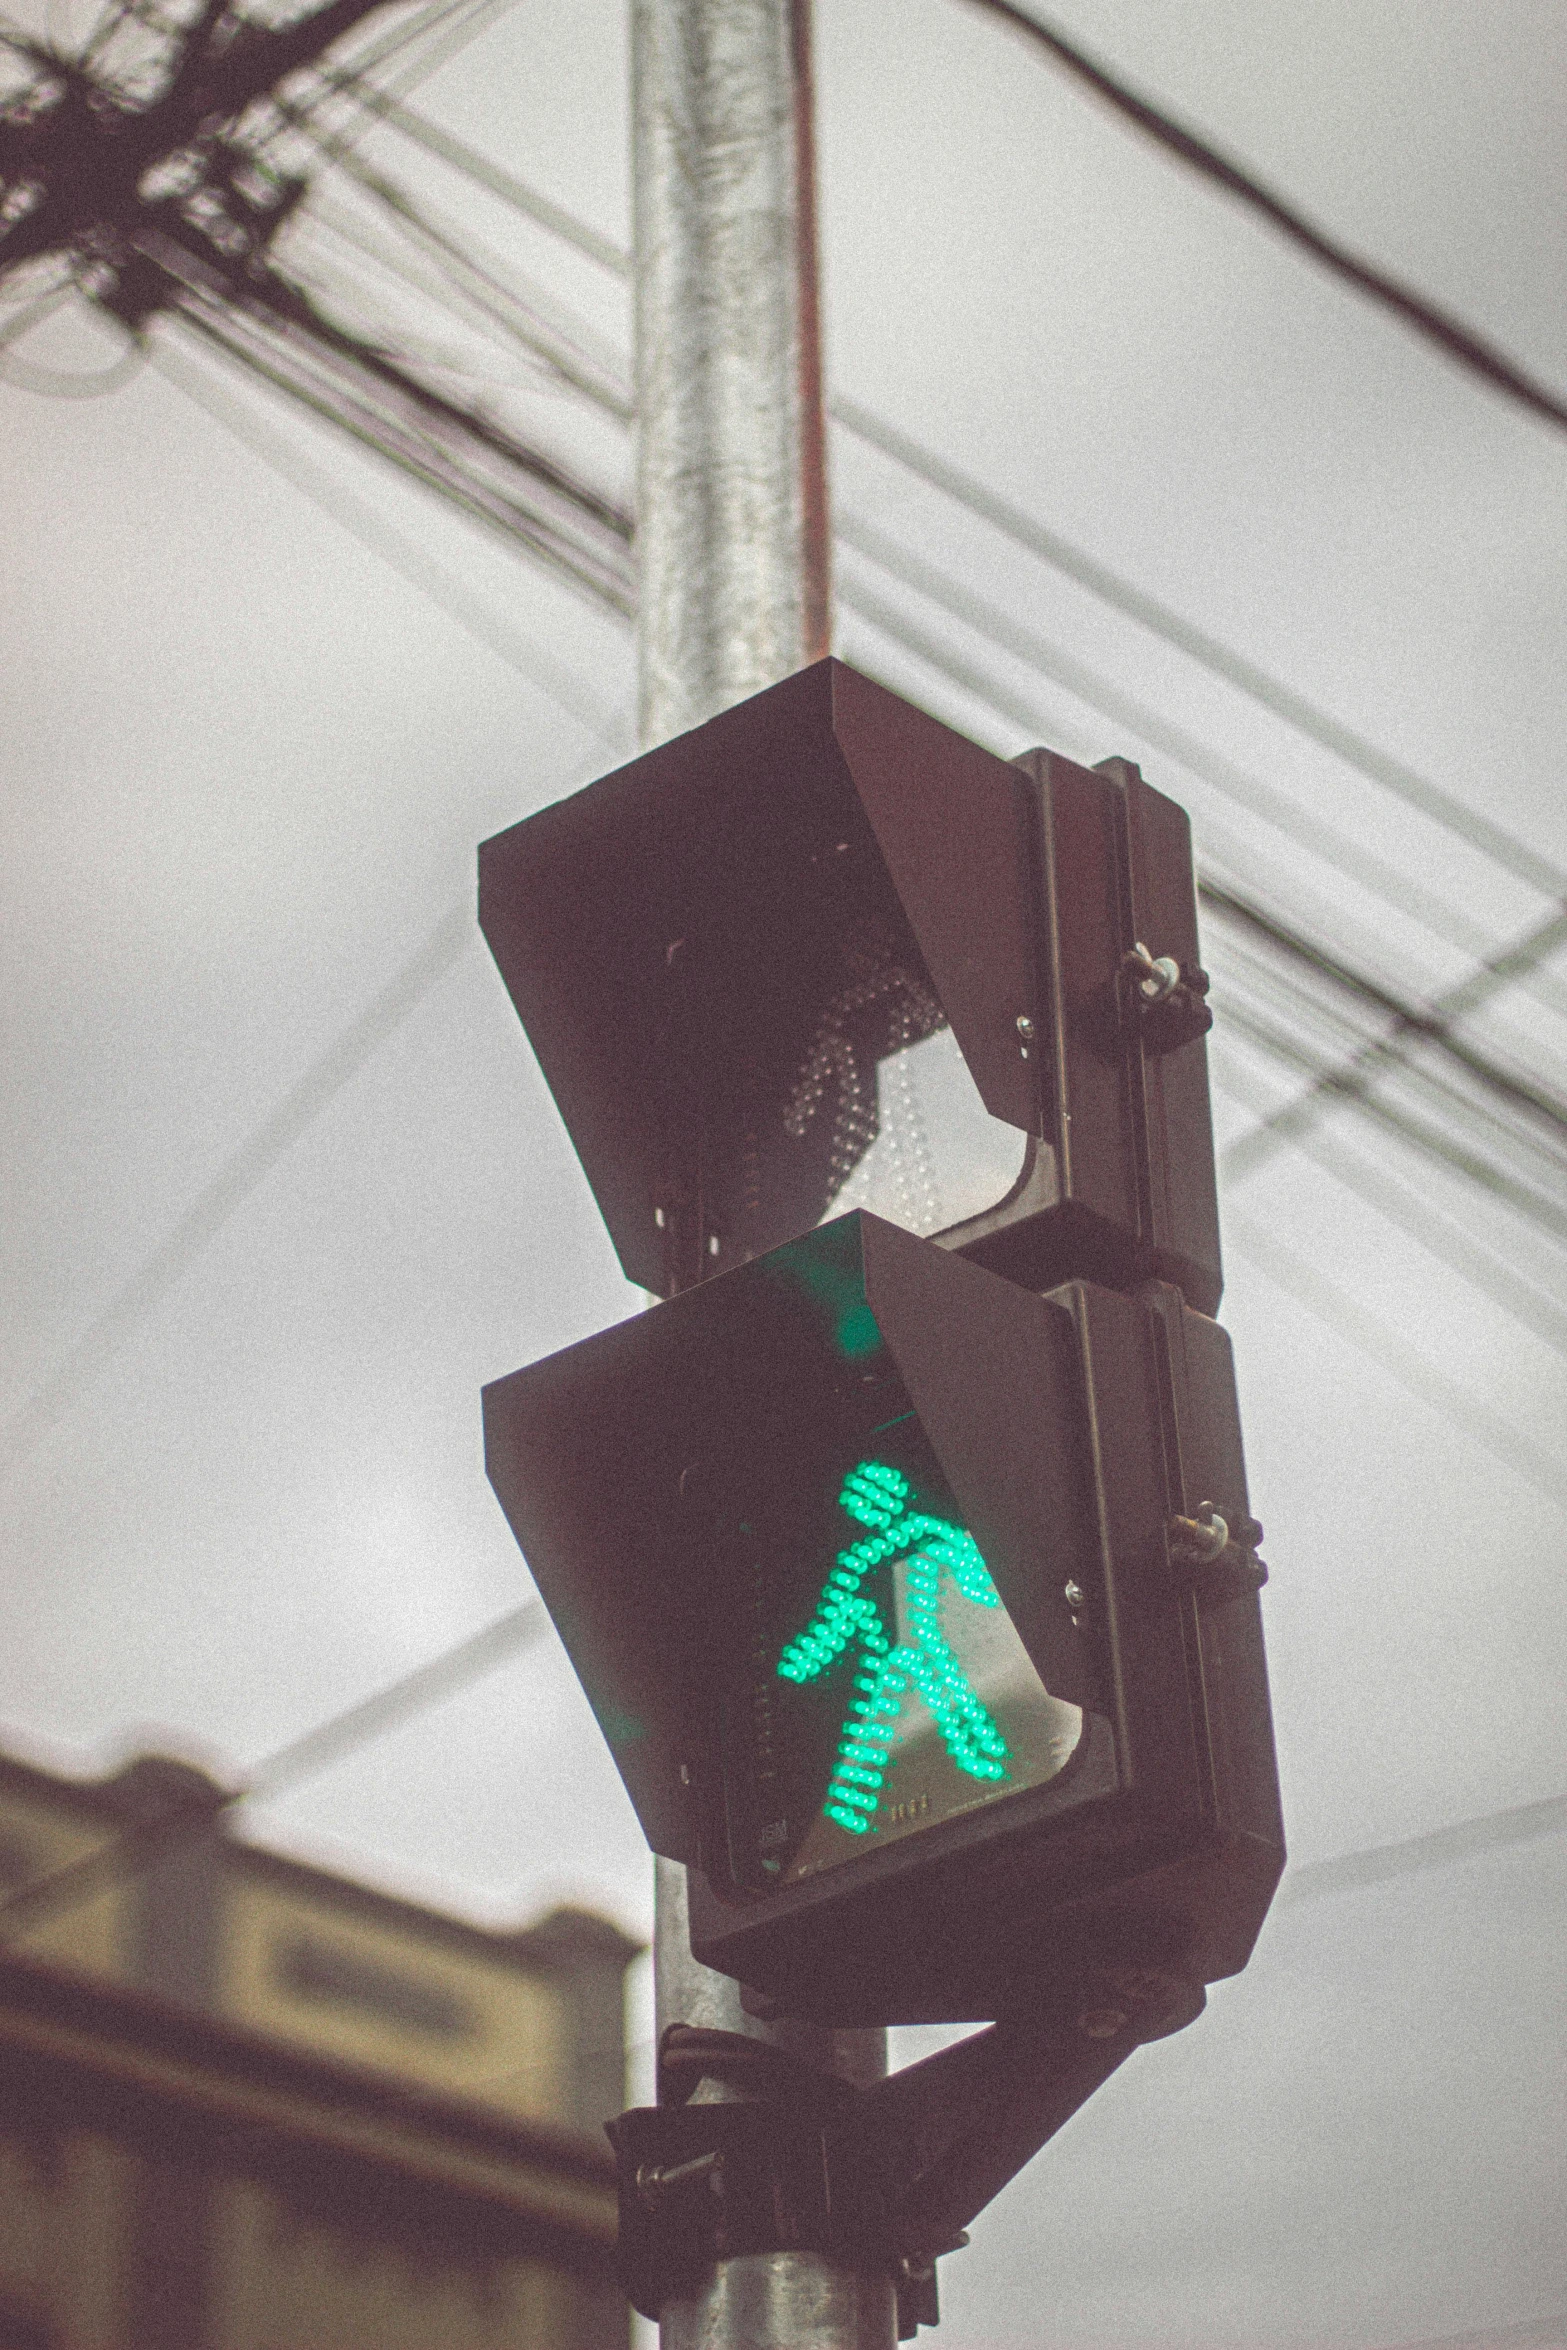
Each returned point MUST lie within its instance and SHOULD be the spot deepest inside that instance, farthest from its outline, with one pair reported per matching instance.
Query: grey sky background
(246, 766)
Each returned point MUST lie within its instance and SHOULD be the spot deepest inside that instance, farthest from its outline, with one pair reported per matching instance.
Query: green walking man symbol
(923, 1664)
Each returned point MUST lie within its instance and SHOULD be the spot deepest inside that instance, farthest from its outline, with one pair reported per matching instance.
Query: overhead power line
(1468, 824)
(1282, 1042)
(1442, 1848)
(168, 207)
(286, 309)
(577, 535)
(1410, 1018)
(1371, 1336)
(1441, 1236)
(316, 1750)
(457, 22)
(1440, 327)
(1051, 547)
(234, 1182)
(1414, 1019)
(442, 587)
(428, 1684)
(1433, 1138)
(1047, 659)
(478, 168)
(1413, 1024)
(482, 287)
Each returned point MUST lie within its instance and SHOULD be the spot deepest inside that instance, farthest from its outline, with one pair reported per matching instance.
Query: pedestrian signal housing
(825, 953)
(919, 1611)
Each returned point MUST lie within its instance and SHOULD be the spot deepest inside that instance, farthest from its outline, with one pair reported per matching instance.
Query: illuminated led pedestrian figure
(924, 1664)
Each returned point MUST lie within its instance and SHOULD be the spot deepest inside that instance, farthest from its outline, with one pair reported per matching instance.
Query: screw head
(1074, 1595)
(1025, 1027)
(1142, 1983)
(1102, 2023)
(1199, 1540)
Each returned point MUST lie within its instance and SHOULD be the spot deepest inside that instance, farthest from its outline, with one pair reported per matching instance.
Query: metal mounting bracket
(887, 2176)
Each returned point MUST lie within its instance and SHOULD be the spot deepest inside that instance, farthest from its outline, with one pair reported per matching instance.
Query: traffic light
(900, 1594)
(825, 953)
(904, 1552)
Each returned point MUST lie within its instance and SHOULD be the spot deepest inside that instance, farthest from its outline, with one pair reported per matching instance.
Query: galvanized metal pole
(732, 541)
(731, 494)
(765, 2300)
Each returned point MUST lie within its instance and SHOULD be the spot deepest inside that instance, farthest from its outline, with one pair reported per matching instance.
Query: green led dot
(942, 1558)
(845, 1781)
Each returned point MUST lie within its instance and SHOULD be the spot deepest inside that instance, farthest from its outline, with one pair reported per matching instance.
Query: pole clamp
(882, 2177)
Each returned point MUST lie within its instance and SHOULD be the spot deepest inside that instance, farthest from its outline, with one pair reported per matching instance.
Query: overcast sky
(247, 763)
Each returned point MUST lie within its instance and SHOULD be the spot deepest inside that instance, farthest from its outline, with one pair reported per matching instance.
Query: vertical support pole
(731, 481)
(764, 2300)
(733, 550)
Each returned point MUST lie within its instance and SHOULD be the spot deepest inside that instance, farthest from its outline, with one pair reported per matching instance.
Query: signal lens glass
(931, 1155)
(854, 1094)
(876, 1685)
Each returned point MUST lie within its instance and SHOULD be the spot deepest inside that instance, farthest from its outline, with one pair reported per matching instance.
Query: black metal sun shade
(721, 951)
(870, 1563)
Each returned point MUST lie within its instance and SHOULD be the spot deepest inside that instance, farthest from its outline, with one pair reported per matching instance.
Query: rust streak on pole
(816, 531)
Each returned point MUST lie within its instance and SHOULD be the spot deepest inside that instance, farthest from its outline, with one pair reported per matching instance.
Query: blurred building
(246, 2104)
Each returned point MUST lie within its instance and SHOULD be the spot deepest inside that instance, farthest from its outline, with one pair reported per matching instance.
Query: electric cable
(268, 298)
(1355, 750)
(1503, 966)
(315, 1750)
(444, 288)
(499, 301)
(984, 688)
(1370, 1335)
(455, 372)
(29, 314)
(1342, 1036)
(1438, 326)
(327, 1728)
(1338, 1029)
(1365, 1331)
(1414, 1023)
(463, 24)
(428, 462)
(240, 1174)
(1511, 1250)
(1440, 1848)
(373, 532)
(1283, 1045)
(348, 80)
(1386, 1035)
(1452, 1243)
(1262, 800)
(105, 29)
(1271, 805)
(60, 383)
